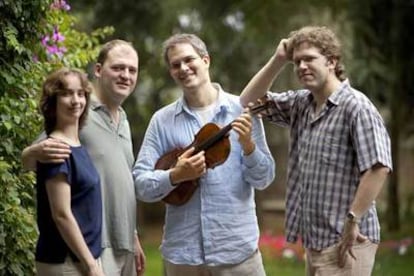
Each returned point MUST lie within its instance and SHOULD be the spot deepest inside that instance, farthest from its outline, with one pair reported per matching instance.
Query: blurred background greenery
(242, 34)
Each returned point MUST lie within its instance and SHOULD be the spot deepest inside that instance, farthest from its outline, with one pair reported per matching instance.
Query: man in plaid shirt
(339, 154)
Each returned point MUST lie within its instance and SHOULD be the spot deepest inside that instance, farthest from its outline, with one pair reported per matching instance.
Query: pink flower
(52, 49)
(45, 40)
(58, 37)
(66, 7)
(62, 49)
(60, 5)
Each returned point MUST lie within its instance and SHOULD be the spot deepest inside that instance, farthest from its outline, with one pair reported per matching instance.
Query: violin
(215, 143)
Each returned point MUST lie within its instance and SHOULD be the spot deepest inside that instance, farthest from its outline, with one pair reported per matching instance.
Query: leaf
(7, 125)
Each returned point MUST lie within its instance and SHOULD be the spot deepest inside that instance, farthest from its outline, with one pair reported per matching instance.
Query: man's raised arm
(263, 80)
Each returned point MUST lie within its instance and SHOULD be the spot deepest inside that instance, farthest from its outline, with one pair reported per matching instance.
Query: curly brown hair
(322, 38)
(54, 84)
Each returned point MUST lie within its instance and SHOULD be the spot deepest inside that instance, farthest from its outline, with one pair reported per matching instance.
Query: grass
(388, 263)
(154, 266)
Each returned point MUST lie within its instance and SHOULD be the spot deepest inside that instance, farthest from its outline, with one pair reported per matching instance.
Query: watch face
(351, 217)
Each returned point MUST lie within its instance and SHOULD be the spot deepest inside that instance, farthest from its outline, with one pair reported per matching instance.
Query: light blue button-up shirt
(218, 225)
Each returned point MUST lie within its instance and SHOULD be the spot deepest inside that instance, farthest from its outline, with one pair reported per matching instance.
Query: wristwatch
(351, 217)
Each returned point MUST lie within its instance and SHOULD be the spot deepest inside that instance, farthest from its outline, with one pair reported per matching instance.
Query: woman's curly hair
(54, 84)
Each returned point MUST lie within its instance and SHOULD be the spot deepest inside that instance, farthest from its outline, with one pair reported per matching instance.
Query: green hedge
(36, 37)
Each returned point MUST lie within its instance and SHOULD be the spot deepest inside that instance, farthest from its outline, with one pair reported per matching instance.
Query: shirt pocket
(331, 149)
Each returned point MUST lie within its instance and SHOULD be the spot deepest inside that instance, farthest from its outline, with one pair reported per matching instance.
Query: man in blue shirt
(216, 231)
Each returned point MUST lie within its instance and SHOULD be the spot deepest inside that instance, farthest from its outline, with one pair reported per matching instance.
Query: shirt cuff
(165, 182)
(253, 158)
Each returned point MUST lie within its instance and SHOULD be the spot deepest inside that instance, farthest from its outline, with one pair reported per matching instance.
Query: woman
(69, 205)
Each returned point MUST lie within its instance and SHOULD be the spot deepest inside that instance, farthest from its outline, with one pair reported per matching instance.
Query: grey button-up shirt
(110, 148)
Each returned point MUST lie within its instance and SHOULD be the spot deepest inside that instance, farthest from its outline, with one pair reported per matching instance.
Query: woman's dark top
(86, 204)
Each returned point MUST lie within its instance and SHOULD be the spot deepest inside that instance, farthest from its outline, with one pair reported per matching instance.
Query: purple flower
(60, 5)
(62, 49)
(45, 40)
(60, 52)
(66, 7)
(58, 37)
(52, 49)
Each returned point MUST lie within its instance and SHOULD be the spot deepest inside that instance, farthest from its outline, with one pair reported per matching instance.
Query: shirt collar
(223, 103)
(95, 104)
(336, 96)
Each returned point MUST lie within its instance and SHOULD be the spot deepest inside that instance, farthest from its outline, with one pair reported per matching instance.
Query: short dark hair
(54, 84)
(322, 38)
(196, 42)
(107, 47)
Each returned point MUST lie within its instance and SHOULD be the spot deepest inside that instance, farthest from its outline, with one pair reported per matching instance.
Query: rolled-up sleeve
(371, 140)
(151, 185)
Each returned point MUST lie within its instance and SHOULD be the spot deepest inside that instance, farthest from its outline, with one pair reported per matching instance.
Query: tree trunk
(393, 208)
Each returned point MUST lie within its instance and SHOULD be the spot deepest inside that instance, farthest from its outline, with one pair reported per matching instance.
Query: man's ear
(97, 70)
(332, 62)
(206, 60)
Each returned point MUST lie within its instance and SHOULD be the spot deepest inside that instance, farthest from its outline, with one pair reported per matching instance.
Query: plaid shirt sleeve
(371, 140)
(281, 108)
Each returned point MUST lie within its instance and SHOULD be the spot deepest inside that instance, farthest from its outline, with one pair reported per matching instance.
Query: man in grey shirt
(107, 137)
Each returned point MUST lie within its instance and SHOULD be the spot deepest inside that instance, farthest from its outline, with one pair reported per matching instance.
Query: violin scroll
(262, 106)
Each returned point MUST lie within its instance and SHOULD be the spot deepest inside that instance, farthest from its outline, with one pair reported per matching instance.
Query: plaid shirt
(328, 154)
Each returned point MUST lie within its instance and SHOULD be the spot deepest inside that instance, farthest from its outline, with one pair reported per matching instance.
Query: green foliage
(17, 225)
(19, 28)
(240, 35)
(25, 61)
(382, 51)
